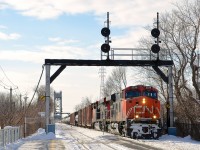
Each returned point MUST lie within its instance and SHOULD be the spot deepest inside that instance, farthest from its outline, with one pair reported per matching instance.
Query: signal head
(105, 48)
(155, 48)
(155, 32)
(105, 31)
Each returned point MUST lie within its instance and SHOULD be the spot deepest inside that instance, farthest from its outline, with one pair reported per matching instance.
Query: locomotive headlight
(143, 100)
(154, 116)
(136, 116)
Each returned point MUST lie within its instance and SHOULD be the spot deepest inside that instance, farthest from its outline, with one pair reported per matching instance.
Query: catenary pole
(171, 96)
(47, 95)
(25, 101)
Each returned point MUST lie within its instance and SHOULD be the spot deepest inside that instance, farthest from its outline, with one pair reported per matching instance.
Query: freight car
(135, 112)
(73, 119)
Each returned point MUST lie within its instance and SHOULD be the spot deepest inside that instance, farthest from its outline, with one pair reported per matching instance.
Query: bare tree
(180, 39)
(85, 102)
(77, 107)
(10, 111)
(151, 78)
(4, 109)
(116, 81)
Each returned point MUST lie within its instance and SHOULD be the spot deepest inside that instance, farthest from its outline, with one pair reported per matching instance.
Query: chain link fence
(33, 124)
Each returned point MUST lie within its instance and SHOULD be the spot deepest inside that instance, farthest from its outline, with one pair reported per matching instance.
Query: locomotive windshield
(152, 94)
(130, 94)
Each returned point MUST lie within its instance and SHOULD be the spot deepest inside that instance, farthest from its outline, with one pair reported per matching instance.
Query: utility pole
(47, 96)
(25, 100)
(20, 99)
(11, 89)
(197, 76)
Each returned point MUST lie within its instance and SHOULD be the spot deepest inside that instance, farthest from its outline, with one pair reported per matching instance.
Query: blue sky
(31, 31)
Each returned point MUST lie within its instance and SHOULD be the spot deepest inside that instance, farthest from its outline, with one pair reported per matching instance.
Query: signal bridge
(153, 58)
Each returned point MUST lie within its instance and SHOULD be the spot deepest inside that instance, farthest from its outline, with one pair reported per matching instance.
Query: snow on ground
(170, 142)
(166, 142)
(87, 139)
(98, 138)
(39, 135)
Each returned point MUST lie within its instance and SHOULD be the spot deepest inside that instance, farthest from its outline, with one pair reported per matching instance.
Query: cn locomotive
(135, 112)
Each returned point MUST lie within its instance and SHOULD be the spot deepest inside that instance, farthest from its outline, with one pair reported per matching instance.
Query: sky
(32, 31)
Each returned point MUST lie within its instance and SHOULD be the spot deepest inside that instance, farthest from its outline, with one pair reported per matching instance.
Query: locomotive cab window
(152, 94)
(130, 94)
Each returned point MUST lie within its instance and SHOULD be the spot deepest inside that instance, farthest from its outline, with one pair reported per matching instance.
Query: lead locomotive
(135, 112)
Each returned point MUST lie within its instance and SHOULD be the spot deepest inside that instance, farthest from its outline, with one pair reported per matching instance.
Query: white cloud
(130, 38)
(3, 27)
(56, 39)
(44, 52)
(46, 9)
(12, 36)
(3, 5)
(61, 41)
(123, 12)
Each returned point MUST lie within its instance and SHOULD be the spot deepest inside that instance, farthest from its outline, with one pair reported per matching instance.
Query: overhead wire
(33, 94)
(37, 86)
(4, 84)
(7, 77)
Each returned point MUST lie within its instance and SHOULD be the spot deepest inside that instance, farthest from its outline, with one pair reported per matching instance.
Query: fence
(33, 124)
(9, 135)
(185, 129)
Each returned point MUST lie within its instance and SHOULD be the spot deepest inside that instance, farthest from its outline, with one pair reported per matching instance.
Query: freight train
(135, 112)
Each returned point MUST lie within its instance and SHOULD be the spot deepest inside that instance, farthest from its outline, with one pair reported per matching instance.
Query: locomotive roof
(136, 87)
(141, 87)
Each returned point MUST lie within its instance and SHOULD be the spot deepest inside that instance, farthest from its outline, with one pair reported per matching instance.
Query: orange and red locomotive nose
(142, 107)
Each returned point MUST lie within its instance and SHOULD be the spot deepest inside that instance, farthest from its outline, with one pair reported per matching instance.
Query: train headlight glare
(143, 100)
(154, 116)
(136, 116)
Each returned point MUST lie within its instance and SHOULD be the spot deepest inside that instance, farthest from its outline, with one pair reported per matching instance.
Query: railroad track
(87, 142)
(91, 141)
(108, 143)
(125, 142)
